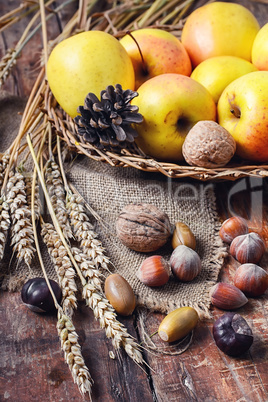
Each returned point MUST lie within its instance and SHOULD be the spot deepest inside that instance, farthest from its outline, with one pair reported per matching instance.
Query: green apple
(219, 29)
(216, 73)
(161, 51)
(171, 104)
(243, 111)
(87, 62)
(260, 49)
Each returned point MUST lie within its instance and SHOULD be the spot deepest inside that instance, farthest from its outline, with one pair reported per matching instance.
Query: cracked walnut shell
(143, 227)
(208, 145)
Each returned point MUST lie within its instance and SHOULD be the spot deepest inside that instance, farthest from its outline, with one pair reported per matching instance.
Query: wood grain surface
(32, 366)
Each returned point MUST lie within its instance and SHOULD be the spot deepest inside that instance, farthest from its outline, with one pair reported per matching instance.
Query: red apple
(243, 111)
(219, 29)
(162, 53)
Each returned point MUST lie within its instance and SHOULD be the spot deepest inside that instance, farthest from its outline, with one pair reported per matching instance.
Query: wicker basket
(65, 127)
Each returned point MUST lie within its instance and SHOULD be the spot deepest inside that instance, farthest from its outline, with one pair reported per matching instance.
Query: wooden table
(32, 366)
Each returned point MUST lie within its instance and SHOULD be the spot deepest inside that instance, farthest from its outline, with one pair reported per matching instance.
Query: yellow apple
(243, 111)
(260, 49)
(171, 104)
(219, 29)
(162, 53)
(216, 73)
(87, 62)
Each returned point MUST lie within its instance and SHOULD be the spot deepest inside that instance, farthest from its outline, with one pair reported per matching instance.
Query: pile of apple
(215, 72)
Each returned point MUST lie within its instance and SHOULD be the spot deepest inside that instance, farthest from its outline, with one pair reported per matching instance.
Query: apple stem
(142, 58)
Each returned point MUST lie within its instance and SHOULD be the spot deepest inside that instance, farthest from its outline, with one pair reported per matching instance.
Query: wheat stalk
(55, 187)
(22, 237)
(63, 265)
(29, 190)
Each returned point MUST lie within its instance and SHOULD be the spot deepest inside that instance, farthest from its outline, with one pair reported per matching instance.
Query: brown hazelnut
(251, 279)
(185, 263)
(154, 271)
(143, 227)
(183, 235)
(226, 296)
(208, 145)
(233, 227)
(249, 247)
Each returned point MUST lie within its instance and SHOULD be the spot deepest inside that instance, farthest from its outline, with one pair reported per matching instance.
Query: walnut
(143, 227)
(208, 145)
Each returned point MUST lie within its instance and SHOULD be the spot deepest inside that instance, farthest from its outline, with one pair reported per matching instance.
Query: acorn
(177, 324)
(120, 294)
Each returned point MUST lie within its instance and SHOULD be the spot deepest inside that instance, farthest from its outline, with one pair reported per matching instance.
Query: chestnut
(246, 248)
(251, 279)
(232, 334)
(233, 227)
(36, 295)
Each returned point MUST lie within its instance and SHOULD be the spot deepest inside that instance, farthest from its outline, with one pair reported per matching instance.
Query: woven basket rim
(65, 127)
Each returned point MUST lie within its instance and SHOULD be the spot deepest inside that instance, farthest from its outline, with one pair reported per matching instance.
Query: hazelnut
(143, 227)
(154, 271)
(233, 227)
(226, 296)
(208, 145)
(185, 263)
(183, 235)
(249, 247)
(251, 279)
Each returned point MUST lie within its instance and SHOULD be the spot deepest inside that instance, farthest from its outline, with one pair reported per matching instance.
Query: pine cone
(106, 123)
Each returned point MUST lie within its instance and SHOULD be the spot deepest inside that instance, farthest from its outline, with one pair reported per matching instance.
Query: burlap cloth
(107, 190)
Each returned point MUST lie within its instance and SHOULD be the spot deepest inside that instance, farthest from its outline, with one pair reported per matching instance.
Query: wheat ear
(22, 237)
(63, 266)
(103, 311)
(57, 196)
(84, 233)
(4, 225)
(72, 353)
(3, 165)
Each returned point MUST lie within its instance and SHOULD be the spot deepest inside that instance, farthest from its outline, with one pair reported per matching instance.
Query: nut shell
(226, 296)
(251, 279)
(154, 271)
(183, 235)
(120, 294)
(232, 334)
(143, 227)
(185, 263)
(248, 248)
(208, 145)
(233, 227)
